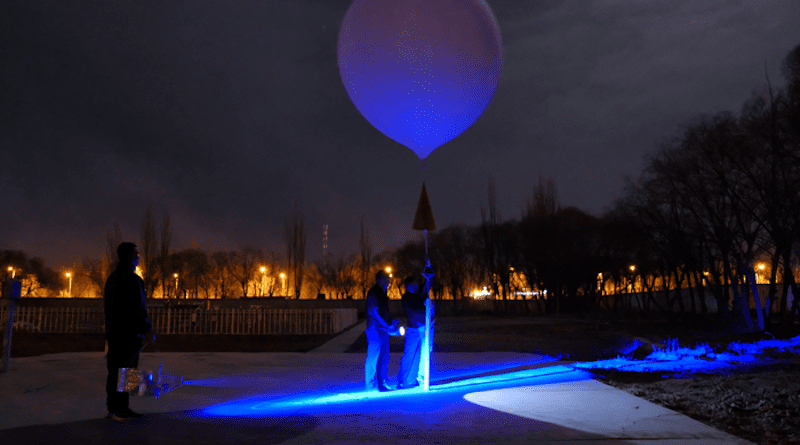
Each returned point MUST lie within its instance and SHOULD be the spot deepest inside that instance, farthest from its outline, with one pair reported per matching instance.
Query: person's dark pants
(421, 374)
(376, 366)
(122, 353)
(409, 364)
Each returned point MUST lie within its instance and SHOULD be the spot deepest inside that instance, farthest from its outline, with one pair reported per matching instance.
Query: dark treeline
(722, 199)
(715, 211)
(713, 205)
(37, 279)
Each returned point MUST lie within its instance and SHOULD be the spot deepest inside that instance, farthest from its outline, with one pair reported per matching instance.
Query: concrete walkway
(319, 397)
(341, 342)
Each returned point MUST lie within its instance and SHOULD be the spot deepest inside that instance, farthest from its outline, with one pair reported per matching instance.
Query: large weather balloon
(420, 71)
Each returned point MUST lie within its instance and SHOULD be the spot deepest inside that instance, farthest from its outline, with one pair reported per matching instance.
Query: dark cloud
(226, 114)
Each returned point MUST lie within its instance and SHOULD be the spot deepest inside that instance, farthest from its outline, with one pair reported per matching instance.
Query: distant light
(481, 294)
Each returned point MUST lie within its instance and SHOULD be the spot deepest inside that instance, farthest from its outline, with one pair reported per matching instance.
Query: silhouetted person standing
(379, 328)
(126, 326)
(413, 301)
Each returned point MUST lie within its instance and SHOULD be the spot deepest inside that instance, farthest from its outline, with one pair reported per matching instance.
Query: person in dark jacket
(127, 325)
(379, 328)
(413, 301)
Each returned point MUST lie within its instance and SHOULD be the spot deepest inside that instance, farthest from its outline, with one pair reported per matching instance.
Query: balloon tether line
(424, 221)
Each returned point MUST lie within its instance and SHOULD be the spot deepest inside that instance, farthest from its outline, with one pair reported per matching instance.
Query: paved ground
(318, 397)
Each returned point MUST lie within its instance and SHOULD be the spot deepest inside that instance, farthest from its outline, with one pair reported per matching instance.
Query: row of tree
(724, 196)
(36, 278)
(712, 202)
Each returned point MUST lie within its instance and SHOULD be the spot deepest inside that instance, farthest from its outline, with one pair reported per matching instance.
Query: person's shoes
(407, 386)
(132, 414)
(118, 416)
(384, 388)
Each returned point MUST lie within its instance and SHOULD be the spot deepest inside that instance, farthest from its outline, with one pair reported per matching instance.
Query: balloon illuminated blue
(420, 71)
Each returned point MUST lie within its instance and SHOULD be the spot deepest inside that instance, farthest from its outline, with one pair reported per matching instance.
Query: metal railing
(180, 320)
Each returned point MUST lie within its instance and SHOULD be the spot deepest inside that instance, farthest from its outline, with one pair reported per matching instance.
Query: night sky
(226, 114)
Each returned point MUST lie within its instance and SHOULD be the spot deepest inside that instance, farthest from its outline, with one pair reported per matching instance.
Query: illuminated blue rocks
(420, 71)
(702, 359)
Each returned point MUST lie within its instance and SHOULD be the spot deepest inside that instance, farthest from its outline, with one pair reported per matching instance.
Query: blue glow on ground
(452, 381)
(448, 387)
(701, 359)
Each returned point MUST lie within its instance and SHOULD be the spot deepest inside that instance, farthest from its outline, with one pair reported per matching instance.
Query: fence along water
(180, 320)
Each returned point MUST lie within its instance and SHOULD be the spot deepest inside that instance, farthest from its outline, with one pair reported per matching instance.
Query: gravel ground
(762, 406)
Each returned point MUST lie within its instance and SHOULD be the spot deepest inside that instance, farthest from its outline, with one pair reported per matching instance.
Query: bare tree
(194, 272)
(771, 165)
(244, 265)
(220, 273)
(315, 279)
(338, 274)
(36, 279)
(147, 248)
(453, 256)
(271, 275)
(489, 236)
(164, 264)
(499, 246)
(93, 270)
(365, 248)
(295, 237)
(113, 240)
(350, 276)
(545, 199)
(791, 108)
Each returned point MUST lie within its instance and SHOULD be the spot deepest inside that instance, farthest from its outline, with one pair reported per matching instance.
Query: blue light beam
(351, 398)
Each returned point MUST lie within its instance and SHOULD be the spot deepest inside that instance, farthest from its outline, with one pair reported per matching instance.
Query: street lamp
(176, 284)
(13, 272)
(761, 267)
(633, 279)
(69, 275)
(283, 283)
